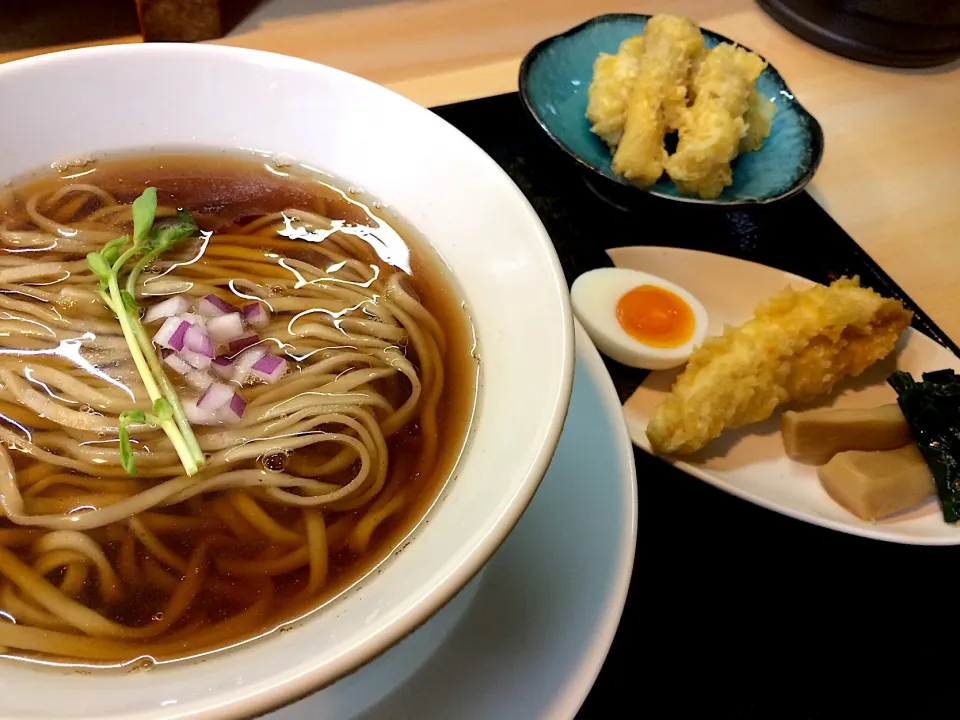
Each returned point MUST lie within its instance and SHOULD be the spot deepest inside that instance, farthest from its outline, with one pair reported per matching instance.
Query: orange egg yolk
(656, 317)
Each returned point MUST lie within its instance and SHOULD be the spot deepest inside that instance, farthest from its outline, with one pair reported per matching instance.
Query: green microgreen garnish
(151, 239)
(162, 412)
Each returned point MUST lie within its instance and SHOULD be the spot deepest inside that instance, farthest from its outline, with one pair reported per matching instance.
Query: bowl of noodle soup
(283, 358)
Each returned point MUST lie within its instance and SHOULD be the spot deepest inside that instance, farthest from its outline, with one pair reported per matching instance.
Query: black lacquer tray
(736, 611)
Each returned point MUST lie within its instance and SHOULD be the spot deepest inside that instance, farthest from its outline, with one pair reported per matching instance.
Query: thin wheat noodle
(259, 519)
(157, 548)
(300, 484)
(317, 548)
(83, 545)
(27, 613)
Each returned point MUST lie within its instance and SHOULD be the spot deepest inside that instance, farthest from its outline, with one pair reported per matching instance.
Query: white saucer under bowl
(526, 638)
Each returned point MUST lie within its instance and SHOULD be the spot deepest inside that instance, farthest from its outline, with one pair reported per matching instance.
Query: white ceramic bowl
(99, 100)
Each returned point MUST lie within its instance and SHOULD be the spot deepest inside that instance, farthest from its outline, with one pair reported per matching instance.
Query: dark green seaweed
(932, 409)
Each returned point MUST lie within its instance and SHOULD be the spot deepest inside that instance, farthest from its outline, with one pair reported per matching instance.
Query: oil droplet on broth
(141, 664)
(276, 462)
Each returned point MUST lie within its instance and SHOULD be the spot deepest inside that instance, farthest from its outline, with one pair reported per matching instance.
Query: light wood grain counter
(890, 174)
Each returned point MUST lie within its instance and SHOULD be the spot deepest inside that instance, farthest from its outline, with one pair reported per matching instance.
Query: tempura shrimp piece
(659, 97)
(796, 347)
(711, 130)
(609, 92)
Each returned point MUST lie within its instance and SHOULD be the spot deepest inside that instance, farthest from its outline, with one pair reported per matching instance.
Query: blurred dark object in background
(896, 33)
(179, 20)
(27, 24)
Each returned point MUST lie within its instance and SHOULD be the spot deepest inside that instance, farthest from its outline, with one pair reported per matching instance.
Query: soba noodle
(100, 566)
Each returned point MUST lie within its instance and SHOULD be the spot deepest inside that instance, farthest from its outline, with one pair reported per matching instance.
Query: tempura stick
(609, 94)
(759, 121)
(670, 45)
(712, 128)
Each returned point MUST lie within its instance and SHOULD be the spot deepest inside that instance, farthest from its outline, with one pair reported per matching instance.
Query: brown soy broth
(225, 192)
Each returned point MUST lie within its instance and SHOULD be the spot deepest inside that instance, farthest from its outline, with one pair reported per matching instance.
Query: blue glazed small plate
(555, 75)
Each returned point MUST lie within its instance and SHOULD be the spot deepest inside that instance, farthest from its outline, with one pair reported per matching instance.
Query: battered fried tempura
(759, 120)
(713, 127)
(796, 346)
(659, 97)
(613, 79)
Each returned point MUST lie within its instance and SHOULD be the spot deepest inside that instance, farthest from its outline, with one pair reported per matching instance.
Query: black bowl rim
(817, 139)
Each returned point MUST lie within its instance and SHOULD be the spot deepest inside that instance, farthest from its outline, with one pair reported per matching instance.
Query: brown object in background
(179, 20)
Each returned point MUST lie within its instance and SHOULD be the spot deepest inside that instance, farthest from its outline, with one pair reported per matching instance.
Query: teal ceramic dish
(555, 75)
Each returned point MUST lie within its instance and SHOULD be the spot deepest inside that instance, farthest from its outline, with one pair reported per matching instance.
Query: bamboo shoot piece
(873, 485)
(813, 437)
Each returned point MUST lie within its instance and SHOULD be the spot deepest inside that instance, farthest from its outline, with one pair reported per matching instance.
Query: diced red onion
(201, 362)
(225, 328)
(212, 306)
(168, 308)
(178, 364)
(195, 319)
(256, 315)
(196, 416)
(269, 368)
(236, 346)
(216, 396)
(196, 340)
(223, 367)
(233, 411)
(245, 362)
(200, 379)
(171, 333)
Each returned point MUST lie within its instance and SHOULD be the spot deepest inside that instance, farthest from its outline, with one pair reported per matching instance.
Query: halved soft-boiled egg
(638, 319)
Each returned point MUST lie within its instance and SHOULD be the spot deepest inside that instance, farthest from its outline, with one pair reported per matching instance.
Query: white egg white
(594, 296)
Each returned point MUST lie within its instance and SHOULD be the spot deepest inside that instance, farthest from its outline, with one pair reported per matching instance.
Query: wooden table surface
(890, 174)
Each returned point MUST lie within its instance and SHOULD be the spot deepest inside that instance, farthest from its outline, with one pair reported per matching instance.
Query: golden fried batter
(609, 92)
(796, 346)
(659, 97)
(759, 120)
(712, 128)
